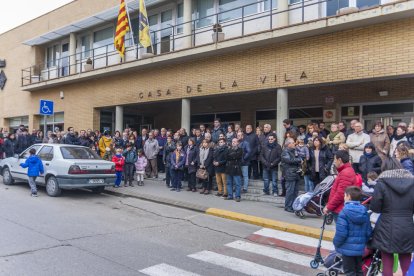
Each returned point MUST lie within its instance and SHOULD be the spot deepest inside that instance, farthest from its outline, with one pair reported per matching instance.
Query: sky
(16, 12)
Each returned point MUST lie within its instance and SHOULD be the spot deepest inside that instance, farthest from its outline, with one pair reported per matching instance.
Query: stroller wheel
(320, 274)
(332, 273)
(314, 264)
(297, 213)
(329, 219)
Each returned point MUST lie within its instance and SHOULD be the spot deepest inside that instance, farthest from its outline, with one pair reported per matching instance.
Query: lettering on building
(154, 94)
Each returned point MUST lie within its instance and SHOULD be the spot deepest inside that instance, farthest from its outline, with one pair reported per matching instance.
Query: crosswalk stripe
(239, 265)
(166, 270)
(271, 252)
(294, 238)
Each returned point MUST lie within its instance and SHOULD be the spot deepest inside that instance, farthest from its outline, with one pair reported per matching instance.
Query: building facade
(244, 61)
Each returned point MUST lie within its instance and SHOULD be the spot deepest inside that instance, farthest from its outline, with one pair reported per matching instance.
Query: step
(263, 198)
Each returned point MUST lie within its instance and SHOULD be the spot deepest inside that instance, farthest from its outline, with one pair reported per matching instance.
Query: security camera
(62, 96)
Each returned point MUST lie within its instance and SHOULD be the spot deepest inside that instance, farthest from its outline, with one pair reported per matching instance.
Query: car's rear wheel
(98, 190)
(7, 177)
(52, 186)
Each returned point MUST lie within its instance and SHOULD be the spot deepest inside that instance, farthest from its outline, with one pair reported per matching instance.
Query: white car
(65, 166)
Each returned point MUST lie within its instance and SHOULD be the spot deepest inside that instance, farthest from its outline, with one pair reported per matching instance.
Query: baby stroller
(371, 260)
(314, 202)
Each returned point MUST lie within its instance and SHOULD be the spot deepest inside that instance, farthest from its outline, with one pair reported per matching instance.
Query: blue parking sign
(46, 107)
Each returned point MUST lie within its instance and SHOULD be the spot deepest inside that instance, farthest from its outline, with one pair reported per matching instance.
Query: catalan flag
(144, 31)
(122, 27)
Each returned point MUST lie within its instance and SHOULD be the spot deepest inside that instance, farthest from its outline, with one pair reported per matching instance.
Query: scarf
(332, 135)
(177, 156)
(399, 137)
(271, 145)
(203, 155)
(368, 155)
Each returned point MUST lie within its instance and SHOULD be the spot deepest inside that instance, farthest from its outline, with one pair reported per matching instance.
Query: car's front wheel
(98, 190)
(52, 186)
(7, 177)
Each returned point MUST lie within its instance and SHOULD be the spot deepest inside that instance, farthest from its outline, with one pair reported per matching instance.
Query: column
(188, 16)
(119, 118)
(282, 112)
(186, 114)
(282, 18)
(72, 53)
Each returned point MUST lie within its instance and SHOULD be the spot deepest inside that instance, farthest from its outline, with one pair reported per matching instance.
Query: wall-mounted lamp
(383, 93)
(62, 95)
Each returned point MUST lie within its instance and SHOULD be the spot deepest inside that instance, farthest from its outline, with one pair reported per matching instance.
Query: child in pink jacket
(140, 165)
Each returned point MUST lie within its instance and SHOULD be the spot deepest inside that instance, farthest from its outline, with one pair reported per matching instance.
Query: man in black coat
(254, 143)
(142, 139)
(84, 140)
(23, 142)
(270, 157)
(219, 163)
(71, 138)
(291, 162)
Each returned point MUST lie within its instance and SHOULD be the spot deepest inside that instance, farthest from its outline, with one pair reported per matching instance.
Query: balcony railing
(172, 39)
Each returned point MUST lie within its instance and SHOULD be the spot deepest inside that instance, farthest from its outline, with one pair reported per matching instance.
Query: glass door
(64, 62)
(166, 31)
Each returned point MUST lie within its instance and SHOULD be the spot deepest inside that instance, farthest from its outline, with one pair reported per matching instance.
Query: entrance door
(387, 120)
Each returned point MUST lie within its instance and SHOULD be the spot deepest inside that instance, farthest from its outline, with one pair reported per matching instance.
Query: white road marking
(239, 265)
(294, 238)
(271, 252)
(166, 270)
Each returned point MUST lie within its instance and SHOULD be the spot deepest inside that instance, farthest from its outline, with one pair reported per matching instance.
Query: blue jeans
(245, 173)
(292, 190)
(118, 179)
(308, 183)
(176, 178)
(233, 180)
(267, 173)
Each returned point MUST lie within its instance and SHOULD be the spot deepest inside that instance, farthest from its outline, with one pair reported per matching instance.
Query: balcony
(171, 44)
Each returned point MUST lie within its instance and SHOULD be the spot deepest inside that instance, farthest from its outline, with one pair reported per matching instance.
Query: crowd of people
(377, 163)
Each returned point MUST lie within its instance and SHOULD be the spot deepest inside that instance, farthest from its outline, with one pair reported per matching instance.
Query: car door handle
(47, 164)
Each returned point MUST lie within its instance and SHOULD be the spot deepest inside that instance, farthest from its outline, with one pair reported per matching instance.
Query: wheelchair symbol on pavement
(46, 107)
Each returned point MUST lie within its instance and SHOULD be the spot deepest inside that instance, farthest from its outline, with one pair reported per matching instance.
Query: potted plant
(218, 34)
(88, 65)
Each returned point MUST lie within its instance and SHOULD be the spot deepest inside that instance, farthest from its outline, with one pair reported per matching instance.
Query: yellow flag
(122, 27)
(144, 31)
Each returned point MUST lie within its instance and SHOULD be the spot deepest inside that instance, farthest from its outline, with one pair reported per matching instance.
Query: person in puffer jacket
(353, 230)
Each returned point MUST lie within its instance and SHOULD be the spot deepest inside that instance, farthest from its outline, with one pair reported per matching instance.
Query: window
(180, 18)
(236, 8)
(78, 153)
(274, 4)
(103, 38)
(86, 46)
(309, 112)
(53, 121)
(204, 12)
(129, 40)
(52, 55)
(46, 153)
(26, 154)
(153, 24)
(363, 4)
(387, 108)
(332, 6)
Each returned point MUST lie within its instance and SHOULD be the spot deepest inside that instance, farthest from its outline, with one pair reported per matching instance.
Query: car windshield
(78, 153)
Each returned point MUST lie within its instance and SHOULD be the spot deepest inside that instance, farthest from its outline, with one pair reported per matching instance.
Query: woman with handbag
(191, 163)
(206, 170)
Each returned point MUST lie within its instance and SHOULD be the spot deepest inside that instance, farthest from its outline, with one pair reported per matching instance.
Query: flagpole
(130, 26)
(145, 7)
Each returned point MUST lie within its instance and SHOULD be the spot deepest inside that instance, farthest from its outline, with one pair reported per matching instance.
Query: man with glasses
(270, 156)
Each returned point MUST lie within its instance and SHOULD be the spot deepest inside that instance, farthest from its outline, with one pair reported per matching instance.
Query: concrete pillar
(72, 53)
(34, 122)
(119, 118)
(188, 15)
(186, 114)
(282, 18)
(282, 112)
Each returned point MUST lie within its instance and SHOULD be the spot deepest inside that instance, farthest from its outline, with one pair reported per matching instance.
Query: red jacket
(119, 163)
(346, 177)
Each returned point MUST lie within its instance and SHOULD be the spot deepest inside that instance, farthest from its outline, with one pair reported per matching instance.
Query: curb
(259, 221)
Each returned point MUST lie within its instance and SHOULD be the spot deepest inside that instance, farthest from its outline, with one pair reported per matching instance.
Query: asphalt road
(81, 233)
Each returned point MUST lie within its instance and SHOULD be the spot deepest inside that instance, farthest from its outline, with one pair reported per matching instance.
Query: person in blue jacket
(353, 230)
(35, 168)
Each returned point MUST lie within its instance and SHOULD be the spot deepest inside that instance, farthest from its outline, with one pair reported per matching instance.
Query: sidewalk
(270, 215)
